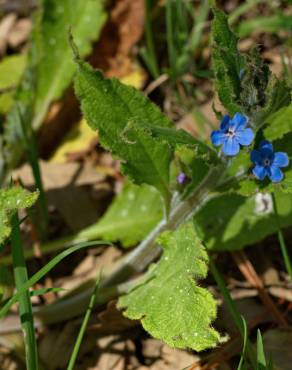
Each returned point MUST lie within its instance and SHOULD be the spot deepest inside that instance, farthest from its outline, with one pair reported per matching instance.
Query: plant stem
(231, 307)
(83, 327)
(25, 308)
(138, 259)
(283, 246)
(169, 37)
(32, 156)
(152, 60)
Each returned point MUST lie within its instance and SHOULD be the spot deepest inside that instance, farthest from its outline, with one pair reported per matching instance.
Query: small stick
(156, 83)
(248, 271)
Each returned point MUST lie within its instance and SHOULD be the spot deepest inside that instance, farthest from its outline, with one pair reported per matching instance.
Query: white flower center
(230, 132)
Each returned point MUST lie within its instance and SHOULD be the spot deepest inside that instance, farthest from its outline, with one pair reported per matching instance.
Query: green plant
(135, 131)
(184, 179)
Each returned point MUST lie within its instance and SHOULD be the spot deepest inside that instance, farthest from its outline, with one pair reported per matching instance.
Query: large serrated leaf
(131, 216)
(11, 200)
(124, 117)
(169, 302)
(231, 221)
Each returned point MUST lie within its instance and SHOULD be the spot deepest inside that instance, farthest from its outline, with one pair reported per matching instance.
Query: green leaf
(169, 302)
(131, 216)
(124, 118)
(261, 358)
(11, 200)
(279, 124)
(193, 165)
(11, 70)
(232, 221)
(277, 96)
(227, 62)
(254, 81)
(50, 66)
(44, 271)
(272, 24)
(55, 67)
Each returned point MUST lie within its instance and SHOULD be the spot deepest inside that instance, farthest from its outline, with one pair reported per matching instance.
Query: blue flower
(232, 134)
(268, 163)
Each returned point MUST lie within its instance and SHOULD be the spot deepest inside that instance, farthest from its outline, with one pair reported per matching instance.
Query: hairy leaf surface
(11, 200)
(131, 216)
(227, 62)
(169, 302)
(124, 118)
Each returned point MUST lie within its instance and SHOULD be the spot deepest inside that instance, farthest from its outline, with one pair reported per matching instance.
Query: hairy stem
(114, 281)
(137, 260)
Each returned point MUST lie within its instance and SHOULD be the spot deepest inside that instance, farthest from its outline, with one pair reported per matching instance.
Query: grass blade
(25, 308)
(261, 358)
(83, 326)
(231, 307)
(245, 338)
(284, 250)
(32, 156)
(150, 55)
(44, 270)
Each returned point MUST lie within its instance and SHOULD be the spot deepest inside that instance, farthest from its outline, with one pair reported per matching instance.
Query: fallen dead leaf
(125, 26)
(19, 32)
(72, 173)
(6, 26)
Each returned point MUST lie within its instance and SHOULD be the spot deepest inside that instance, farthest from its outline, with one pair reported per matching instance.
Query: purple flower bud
(181, 178)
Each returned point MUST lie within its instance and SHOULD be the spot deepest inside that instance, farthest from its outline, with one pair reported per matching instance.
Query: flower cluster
(233, 133)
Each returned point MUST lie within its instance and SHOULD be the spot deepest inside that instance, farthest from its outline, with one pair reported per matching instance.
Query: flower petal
(255, 157)
(266, 145)
(239, 121)
(230, 146)
(245, 137)
(281, 159)
(218, 137)
(259, 171)
(275, 174)
(225, 122)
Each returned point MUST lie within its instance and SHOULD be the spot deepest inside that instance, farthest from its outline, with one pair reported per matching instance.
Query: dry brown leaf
(19, 32)
(112, 321)
(6, 26)
(60, 175)
(125, 26)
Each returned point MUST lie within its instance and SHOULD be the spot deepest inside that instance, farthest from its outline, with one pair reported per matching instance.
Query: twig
(248, 271)
(156, 83)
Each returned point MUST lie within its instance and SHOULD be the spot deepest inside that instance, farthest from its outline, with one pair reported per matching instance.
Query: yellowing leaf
(136, 78)
(78, 139)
